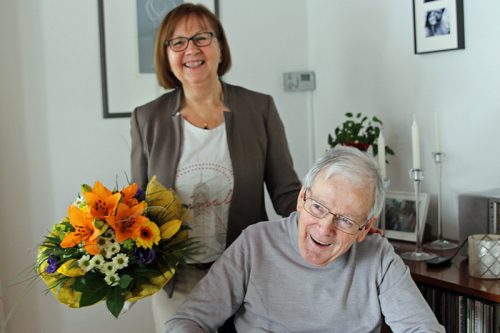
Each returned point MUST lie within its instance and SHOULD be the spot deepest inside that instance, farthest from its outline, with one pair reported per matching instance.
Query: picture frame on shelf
(400, 215)
(438, 25)
(127, 32)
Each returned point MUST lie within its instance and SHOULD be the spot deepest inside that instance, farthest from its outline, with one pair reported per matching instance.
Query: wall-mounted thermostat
(299, 81)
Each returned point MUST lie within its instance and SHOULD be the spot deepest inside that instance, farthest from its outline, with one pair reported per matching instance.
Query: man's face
(320, 242)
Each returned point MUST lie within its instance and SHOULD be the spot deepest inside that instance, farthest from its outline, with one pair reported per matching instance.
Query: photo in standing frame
(400, 215)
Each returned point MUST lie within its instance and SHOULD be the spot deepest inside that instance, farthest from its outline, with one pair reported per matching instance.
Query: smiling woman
(200, 137)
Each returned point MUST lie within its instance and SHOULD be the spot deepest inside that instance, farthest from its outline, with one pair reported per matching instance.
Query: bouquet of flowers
(115, 245)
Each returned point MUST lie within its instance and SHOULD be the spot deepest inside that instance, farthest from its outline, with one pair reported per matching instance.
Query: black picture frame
(121, 80)
(438, 25)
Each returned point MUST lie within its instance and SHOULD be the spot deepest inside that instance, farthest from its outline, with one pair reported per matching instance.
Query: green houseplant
(358, 131)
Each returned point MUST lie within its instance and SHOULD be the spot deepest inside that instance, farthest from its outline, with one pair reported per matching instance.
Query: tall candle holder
(418, 255)
(440, 243)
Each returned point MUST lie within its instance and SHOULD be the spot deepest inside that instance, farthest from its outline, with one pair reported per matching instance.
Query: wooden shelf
(454, 277)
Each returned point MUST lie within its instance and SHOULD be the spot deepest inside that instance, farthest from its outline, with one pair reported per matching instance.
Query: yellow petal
(68, 296)
(145, 290)
(158, 195)
(169, 229)
(70, 268)
(158, 214)
(64, 294)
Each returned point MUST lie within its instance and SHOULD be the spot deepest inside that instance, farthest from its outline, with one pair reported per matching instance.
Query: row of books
(462, 314)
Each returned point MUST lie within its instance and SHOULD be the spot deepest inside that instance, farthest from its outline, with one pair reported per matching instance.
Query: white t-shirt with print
(204, 182)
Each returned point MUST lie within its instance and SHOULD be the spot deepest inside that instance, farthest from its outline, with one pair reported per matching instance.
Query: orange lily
(85, 231)
(129, 193)
(102, 202)
(127, 221)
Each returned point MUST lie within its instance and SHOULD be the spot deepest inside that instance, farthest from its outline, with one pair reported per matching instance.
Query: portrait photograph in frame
(438, 25)
(400, 215)
(127, 32)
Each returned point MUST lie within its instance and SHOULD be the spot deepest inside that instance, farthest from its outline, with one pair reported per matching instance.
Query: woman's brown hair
(164, 74)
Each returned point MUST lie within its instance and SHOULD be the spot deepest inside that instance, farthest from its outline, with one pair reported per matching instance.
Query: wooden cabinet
(456, 297)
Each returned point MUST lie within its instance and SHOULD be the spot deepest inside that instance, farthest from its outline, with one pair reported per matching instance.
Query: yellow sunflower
(149, 234)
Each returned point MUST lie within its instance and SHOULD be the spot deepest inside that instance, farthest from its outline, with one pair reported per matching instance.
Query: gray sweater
(264, 280)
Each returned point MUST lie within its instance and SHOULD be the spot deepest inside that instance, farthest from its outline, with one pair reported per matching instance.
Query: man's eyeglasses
(341, 222)
(181, 43)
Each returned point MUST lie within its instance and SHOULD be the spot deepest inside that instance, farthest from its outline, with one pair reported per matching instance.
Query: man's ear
(362, 234)
(300, 199)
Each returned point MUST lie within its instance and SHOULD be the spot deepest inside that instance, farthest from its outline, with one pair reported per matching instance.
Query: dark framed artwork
(127, 31)
(438, 25)
(400, 215)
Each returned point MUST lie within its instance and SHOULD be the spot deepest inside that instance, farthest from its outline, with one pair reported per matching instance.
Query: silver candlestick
(440, 243)
(418, 255)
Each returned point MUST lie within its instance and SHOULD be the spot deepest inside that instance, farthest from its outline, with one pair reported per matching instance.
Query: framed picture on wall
(127, 31)
(438, 25)
(400, 215)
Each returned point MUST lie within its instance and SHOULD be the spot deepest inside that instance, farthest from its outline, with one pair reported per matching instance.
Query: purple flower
(53, 265)
(144, 256)
(140, 195)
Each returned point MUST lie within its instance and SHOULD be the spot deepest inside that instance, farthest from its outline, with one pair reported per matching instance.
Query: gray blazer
(257, 146)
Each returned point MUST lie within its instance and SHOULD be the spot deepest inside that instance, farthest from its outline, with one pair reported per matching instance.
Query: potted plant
(358, 131)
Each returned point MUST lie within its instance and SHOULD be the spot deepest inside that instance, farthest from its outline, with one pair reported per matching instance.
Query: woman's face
(435, 17)
(197, 64)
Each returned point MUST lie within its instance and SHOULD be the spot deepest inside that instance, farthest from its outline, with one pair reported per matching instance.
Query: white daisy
(85, 263)
(120, 261)
(97, 261)
(114, 247)
(108, 268)
(112, 279)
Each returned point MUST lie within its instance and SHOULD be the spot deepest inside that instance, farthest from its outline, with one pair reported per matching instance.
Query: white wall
(53, 137)
(266, 40)
(364, 57)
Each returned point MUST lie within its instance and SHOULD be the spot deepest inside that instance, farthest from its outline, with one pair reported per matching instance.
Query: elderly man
(317, 270)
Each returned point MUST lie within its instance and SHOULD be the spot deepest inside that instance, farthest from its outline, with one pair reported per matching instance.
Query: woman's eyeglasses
(179, 44)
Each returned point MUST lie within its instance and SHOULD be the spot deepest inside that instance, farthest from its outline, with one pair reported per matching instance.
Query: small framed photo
(400, 215)
(438, 25)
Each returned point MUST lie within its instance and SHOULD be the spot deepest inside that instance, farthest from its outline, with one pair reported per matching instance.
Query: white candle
(381, 155)
(415, 144)
(437, 134)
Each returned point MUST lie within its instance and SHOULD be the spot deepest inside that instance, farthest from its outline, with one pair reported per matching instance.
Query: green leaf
(125, 281)
(89, 282)
(94, 296)
(115, 299)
